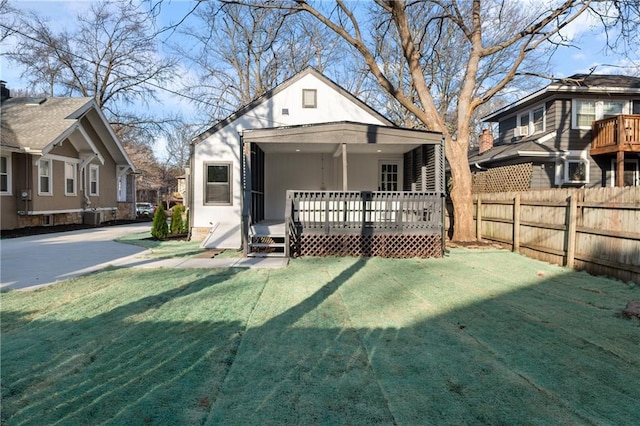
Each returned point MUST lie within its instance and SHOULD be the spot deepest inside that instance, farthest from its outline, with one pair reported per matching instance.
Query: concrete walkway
(32, 262)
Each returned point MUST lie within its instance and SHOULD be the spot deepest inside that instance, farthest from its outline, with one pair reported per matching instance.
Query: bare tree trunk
(463, 229)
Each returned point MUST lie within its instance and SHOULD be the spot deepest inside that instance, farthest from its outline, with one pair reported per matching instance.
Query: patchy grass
(482, 336)
(162, 249)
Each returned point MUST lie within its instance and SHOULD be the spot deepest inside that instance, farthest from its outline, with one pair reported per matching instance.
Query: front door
(388, 175)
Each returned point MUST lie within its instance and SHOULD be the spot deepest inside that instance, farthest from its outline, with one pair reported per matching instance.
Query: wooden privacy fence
(593, 229)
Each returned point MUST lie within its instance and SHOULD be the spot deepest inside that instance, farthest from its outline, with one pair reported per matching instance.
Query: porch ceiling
(326, 137)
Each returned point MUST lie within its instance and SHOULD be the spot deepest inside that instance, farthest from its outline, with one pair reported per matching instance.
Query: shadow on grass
(364, 342)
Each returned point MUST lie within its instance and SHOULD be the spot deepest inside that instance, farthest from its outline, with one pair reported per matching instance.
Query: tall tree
(240, 53)
(492, 40)
(110, 55)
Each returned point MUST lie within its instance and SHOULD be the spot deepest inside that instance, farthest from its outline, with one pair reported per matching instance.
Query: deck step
(266, 254)
(267, 245)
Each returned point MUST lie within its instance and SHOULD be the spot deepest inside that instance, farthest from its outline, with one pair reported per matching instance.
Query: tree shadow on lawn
(371, 343)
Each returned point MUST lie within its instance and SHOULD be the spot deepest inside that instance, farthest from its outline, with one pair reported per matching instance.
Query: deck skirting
(381, 245)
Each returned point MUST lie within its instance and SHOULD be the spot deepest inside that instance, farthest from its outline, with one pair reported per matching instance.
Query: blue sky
(580, 59)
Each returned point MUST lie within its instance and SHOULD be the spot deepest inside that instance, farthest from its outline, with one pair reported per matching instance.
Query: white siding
(224, 146)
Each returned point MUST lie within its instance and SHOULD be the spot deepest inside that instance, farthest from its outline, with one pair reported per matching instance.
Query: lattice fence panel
(503, 179)
(381, 245)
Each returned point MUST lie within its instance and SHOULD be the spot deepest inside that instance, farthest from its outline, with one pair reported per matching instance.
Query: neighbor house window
(531, 121)
(70, 176)
(5, 175)
(44, 177)
(94, 179)
(612, 108)
(576, 171)
(585, 112)
(217, 183)
(309, 98)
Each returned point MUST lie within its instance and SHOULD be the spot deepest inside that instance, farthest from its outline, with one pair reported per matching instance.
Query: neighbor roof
(577, 83)
(309, 70)
(532, 146)
(35, 123)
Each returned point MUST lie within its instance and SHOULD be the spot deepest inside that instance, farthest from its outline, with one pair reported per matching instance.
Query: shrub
(177, 224)
(185, 224)
(160, 229)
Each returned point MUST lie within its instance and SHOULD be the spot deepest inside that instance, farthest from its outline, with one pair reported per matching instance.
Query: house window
(217, 184)
(94, 179)
(612, 108)
(5, 175)
(576, 171)
(70, 175)
(585, 112)
(388, 176)
(44, 177)
(309, 98)
(531, 121)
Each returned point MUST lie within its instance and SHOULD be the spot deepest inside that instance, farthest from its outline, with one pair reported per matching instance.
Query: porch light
(297, 150)
(378, 150)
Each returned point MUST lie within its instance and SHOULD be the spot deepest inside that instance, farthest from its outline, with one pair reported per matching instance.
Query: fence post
(479, 218)
(516, 223)
(571, 230)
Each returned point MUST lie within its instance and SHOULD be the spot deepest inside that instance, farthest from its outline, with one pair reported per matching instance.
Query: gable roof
(271, 93)
(578, 83)
(30, 123)
(37, 124)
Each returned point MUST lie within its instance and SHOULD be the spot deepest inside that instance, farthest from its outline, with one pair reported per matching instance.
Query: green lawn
(482, 336)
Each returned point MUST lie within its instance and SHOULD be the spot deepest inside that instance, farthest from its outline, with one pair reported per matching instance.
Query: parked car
(145, 210)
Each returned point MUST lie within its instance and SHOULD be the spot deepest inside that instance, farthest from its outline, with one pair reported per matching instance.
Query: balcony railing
(619, 133)
(336, 212)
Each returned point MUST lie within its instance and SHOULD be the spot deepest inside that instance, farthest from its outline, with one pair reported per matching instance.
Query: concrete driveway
(35, 261)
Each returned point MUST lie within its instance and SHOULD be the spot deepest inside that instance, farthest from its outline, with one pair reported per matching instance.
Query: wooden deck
(616, 134)
(357, 223)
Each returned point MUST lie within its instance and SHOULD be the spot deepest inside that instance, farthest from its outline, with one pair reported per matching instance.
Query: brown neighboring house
(61, 163)
(580, 131)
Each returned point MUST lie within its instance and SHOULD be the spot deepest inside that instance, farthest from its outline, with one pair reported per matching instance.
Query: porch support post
(620, 169)
(345, 169)
(246, 193)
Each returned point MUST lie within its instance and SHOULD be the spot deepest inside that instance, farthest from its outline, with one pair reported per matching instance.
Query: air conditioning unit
(522, 131)
(92, 218)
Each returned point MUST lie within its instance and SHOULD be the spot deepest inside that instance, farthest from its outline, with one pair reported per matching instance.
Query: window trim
(49, 176)
(599, 113)
(8, 173)
(566, 170)
(315, 98)
(530, 113)
(97, 169)
(229, 166)
(74, 177)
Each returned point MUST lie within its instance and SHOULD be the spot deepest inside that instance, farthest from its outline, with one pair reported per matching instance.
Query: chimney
(486, 141)
(4, 92)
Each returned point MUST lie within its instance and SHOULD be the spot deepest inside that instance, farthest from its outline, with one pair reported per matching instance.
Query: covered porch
(342, 189)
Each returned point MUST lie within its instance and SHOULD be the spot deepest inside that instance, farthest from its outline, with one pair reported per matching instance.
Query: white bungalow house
(308, 169)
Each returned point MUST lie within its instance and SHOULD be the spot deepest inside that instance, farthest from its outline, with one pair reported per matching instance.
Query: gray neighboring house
(61, 163)
(582, 131)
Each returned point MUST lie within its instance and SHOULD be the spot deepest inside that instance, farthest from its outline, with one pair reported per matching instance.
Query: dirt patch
(479, 244)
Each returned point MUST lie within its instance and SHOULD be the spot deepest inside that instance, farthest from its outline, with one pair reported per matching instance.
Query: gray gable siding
(506, 130)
